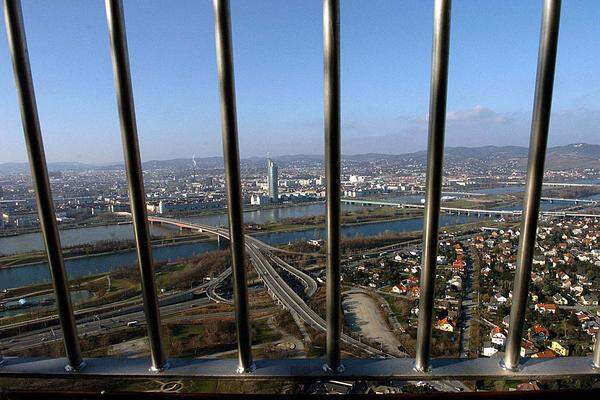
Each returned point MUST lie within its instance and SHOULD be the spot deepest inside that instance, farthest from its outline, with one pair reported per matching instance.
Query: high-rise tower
(272, 171)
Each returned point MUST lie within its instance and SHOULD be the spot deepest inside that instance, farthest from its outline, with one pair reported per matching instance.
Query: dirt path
(363, 316)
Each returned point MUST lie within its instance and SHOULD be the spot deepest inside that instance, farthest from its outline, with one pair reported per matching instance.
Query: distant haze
(576, 155)
(466, 128)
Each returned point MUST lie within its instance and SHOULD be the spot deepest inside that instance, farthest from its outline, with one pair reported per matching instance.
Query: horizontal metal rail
(312, 368)
(560, 394)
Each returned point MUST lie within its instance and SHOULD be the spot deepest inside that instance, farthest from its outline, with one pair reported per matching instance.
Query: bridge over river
(259, 253)
(480, 211)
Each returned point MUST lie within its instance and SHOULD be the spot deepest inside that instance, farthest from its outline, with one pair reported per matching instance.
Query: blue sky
(386, 48)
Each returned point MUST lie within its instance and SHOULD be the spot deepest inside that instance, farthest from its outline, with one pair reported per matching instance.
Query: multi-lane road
(110, 319)
(261, 258)
(116, 316)
(108, 322)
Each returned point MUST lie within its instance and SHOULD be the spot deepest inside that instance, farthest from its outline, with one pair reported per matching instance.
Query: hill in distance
(577, 155)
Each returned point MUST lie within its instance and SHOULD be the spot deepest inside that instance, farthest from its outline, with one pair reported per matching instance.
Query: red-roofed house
(545, 308)
(445, 324)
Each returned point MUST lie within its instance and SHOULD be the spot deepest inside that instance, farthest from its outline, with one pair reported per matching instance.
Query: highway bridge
(222, 232)
(450, 193)
(575, 201)
(559, 184)
(276, 285)
(115, 316)
(471, 211)
(128, 306)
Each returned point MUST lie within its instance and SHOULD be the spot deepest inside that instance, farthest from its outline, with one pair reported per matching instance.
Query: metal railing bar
(135, 179)
(535, 174)
(37, 161)
(311, 368)
(331, 70)
(435, 156)
(232, 173)
(596, 357)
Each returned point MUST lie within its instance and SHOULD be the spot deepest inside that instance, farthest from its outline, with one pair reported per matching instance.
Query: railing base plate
(312, 368)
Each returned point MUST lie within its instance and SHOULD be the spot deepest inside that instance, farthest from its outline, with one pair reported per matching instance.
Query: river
(91, 265)
(71, 237)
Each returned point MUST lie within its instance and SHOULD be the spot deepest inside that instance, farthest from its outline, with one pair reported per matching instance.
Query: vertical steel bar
(37, 161)
(435, 157)
(535, 174)
(331, 71)
(135, 179)
(232, 173)
(596, 357)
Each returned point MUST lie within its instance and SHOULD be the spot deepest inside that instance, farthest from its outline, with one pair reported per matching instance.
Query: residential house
(581, 316)
(459, 265)
(528, 348)
(545, 308)
(577, 290)
(456, 282)
(498, 336)
(560, 300)
(400, 289)
(445, 324)
(588, 300)
(544, 354)
(560, 348)
(538, 333)
(489, 350)
(415, 292)
(500, 298)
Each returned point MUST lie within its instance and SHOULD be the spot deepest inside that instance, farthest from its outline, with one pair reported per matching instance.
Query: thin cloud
(476, 114)
(476, 126)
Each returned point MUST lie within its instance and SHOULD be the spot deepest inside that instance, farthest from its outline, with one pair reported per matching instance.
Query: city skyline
(481, 202)
(385, 78)
(193, 160)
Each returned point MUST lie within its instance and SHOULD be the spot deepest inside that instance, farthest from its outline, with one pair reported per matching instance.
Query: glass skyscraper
(272, 171)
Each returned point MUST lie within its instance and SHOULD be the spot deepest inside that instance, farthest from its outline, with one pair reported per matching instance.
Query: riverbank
(173, 251)
(292, 225)
(223, 210)
(12, 261)
(286, 225)
(108, 219)
(274, 218)
(35, 258)
(353, 221)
